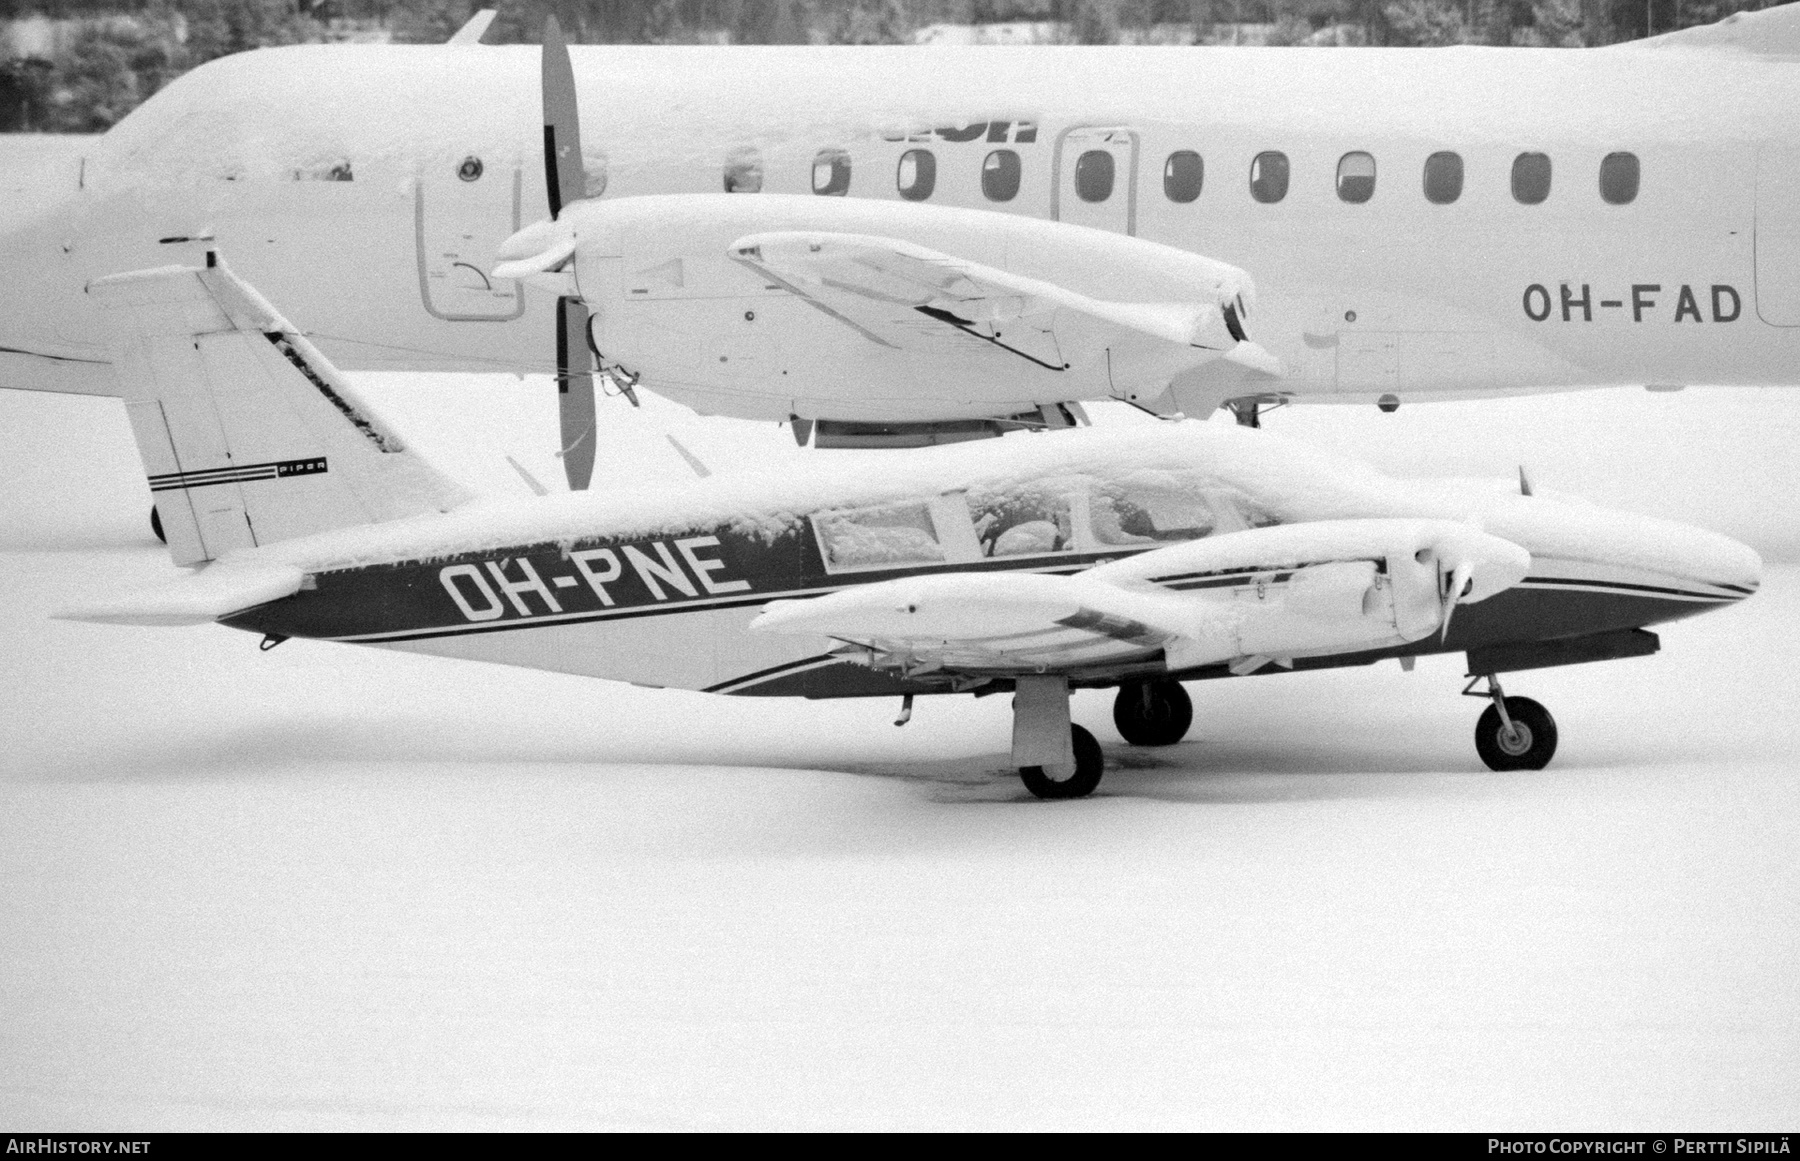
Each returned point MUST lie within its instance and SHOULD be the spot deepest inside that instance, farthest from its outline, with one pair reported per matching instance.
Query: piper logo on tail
(581, 580)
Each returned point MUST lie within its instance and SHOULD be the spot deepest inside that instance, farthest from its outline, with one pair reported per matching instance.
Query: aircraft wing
(1244, 599)
(909, 297)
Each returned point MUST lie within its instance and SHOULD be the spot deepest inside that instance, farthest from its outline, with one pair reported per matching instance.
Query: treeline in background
(77, 66)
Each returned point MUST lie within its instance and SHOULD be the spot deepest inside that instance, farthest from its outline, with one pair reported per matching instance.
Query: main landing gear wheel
(1153, 713)
(1077, 781)
(1523, 739)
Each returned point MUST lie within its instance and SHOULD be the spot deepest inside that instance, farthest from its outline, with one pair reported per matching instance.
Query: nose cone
(1642, 553)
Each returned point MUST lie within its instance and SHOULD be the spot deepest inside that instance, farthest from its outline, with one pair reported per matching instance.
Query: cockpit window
(1094, 175)
(1443, 178)
(831, 173)
(887, 536)
(1619, 178)
(744, 170)
(1149, 513)
(1356, 178)
(1269, 177)
(1000, 176)
(1531, 178)
(916, 175)
(1022, 522)
(1182, 176)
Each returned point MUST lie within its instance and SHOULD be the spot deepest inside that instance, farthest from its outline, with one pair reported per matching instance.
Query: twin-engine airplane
(909, 245)
(1031, 564)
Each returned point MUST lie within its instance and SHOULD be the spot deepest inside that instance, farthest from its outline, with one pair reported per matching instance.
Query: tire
(1153, 713)
(1089, 765)
(1532, 749)
(156, 524)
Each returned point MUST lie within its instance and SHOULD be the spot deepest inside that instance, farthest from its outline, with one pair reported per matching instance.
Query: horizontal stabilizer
(213, 593)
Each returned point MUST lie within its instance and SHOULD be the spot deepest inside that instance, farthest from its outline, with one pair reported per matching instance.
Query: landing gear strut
(1514, 733)
(1153, 713)
(1248, 410)
(1054, 757)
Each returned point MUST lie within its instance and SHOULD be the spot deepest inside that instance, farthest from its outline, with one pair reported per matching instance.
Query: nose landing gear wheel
(1528, 744)
(1076, 782)
(1153, 713)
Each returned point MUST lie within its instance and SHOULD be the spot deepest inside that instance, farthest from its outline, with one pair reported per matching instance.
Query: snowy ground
(330, 887)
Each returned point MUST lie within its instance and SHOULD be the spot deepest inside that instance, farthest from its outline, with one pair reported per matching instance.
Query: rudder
(247, 432)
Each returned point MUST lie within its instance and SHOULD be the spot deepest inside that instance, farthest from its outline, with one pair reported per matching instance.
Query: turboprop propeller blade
(565, 178)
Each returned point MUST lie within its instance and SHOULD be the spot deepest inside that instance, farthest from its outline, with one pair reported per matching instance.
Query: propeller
(565, 178)
(1456, 587)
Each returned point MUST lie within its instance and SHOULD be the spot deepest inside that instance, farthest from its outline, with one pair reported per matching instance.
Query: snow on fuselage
(660, 588)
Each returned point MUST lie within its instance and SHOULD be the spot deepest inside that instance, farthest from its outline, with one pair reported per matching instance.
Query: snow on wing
(985, 621)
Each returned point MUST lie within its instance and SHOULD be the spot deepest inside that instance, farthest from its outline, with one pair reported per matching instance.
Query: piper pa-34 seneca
(913, 244)
(1032, 564)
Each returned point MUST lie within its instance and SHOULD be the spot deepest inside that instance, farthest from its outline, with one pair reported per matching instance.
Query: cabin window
(1182, 175)
(886, 537)
(1356, 178)
(1094, 175)
(1149, 514)
(1022, 523)
(1000, 176)
(1619, 178)
(1531, 178)
(1269, 177)
(916, 175)
(1443, 178)
(744, 170)
(831, 173)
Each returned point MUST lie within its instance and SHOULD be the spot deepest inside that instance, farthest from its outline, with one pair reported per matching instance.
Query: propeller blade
(564, 176)
(1453, 592)
(575, 392)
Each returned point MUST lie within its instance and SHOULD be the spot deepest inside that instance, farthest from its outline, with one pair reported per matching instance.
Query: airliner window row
(1184, 173)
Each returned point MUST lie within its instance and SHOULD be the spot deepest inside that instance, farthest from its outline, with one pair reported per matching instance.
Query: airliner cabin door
(1096, 178)
(461, 214)
(1778, 237)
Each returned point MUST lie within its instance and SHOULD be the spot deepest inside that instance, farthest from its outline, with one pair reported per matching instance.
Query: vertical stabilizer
(248, 434)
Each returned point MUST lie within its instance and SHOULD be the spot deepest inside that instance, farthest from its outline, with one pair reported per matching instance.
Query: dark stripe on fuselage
(1625, 586)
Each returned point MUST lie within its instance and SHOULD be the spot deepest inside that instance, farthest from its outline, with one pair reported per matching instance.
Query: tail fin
(248, 434)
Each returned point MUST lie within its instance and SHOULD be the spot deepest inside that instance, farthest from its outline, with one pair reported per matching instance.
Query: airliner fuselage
(1419, 223)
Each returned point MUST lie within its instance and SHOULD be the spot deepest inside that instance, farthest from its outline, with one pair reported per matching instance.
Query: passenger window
(1531, 178)
(1619, 178)
(743, 170)
(1094, 175)
(878, 537)
(1269, 177)
(1356, 178)
(1182, 176)
(831, 173)
(916, 175)
(1028, 524)
(1443, 178)
(1000, 176)
(1149, 515)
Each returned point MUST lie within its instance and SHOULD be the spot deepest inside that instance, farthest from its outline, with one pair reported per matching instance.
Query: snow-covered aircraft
(1020, 228)
(1030, 564)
